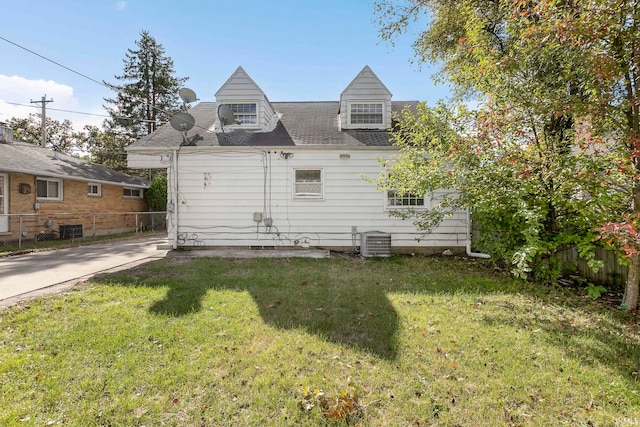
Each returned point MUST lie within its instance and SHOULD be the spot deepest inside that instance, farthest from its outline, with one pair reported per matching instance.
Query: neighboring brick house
(42, 191)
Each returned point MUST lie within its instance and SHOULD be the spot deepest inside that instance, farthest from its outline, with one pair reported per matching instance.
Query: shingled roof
(30, 159)
(300, 124)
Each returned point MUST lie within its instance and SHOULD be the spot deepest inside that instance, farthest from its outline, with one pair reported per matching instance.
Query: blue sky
(295, 50)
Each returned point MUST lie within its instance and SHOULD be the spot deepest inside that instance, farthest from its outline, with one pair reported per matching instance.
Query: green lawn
(302, 342)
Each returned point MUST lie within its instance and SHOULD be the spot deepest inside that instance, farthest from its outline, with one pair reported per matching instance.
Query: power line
(80, 112)
(88, 78)
(57, 63)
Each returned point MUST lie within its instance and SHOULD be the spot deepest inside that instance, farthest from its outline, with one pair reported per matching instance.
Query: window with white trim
(48, 189)
(308, 184)
(133, 193)
(94, 189)
(395, 200)
(246, 114)
(366, 113)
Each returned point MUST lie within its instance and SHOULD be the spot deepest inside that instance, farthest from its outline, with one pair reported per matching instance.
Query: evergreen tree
(147, 94)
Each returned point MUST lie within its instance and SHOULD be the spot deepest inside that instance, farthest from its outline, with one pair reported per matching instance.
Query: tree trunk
(631, 290)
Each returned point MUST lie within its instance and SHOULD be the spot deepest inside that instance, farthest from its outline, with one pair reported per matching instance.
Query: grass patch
(301, 342)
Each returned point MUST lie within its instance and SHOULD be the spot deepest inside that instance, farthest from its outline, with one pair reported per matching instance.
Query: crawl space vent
(375, 243)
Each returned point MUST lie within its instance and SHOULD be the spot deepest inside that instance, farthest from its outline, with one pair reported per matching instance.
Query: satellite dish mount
(226, 116)
(183, 121)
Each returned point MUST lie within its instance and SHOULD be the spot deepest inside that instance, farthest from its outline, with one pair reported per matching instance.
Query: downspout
(173, 239)
(469, 253)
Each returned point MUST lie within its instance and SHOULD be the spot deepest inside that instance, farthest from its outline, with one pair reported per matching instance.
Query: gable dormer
(249, 103)
(365, 103)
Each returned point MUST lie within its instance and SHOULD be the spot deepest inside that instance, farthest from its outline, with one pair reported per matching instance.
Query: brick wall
(98, 215)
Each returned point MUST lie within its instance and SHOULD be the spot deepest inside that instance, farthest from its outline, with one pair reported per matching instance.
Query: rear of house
(289, 174)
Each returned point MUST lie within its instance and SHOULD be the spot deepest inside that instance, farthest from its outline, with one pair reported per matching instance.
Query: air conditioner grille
(375, 243)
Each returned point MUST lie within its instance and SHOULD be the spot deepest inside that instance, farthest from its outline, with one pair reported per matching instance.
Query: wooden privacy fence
(611, 275)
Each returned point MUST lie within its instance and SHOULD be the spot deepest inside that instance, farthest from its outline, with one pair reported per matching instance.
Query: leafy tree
(156, 194)
(60, 136)
(551, 154)
(147, 94)
(105, 147)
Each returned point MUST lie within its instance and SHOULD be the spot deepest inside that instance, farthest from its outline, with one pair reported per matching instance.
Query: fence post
(137, 227)
(20, 232)
(94, 225)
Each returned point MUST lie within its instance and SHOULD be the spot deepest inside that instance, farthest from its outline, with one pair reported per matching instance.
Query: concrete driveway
(26, 276)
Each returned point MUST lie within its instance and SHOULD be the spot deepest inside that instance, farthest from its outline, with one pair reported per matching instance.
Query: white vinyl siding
(241, 90)
(365, 103)
(220, 191)
(49, 189)
(4, 218)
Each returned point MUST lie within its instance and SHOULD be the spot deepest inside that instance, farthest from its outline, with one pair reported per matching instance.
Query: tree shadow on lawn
(289, 294)
(354, 310)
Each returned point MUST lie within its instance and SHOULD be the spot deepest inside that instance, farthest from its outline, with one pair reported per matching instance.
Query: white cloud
(16, 94)
(120, 5)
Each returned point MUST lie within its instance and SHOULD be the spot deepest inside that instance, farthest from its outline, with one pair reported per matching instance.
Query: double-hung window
(94, 189)
(308, 184)
(366, 113)
(245, 114)
(48, 189)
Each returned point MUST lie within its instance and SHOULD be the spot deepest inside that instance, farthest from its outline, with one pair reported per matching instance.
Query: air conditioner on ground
(375, 243)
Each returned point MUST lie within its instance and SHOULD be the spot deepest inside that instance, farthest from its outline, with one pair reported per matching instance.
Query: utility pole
(43, 101)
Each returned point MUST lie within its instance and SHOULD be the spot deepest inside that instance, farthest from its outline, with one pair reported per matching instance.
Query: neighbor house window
(49, 189)
(246, 114)
(395, 200)
(135, 193)
(369, 113)
(94, 189)
(308, 183)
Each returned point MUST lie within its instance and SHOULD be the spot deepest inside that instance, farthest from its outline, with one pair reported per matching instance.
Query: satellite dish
(226, 115)
(187, 95)
(182, 122)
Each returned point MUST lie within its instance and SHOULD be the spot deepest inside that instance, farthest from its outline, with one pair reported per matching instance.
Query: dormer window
(365, 103)
(245, 114)
(366, 113)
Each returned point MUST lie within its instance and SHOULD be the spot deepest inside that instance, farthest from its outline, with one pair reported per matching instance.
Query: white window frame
(365, 105)
(130, 189)
(59, 197)
(4, 203)
(97, 186)
(407, 201)
(306, 195)
(238, 116)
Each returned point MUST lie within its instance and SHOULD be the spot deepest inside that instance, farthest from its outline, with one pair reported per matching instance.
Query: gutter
(468, 245)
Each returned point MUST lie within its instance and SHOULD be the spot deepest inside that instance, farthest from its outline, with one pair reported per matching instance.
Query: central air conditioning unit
(375, 243)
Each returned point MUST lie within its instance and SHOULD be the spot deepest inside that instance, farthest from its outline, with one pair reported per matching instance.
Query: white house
(289, 174)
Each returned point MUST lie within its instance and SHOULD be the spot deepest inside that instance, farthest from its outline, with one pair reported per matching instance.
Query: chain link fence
(21, 231)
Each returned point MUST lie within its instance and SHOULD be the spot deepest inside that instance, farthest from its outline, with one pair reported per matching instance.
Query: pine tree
(147, 95)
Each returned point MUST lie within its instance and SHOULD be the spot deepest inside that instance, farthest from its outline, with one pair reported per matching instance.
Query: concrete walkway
(27, 276)
(30, 275)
